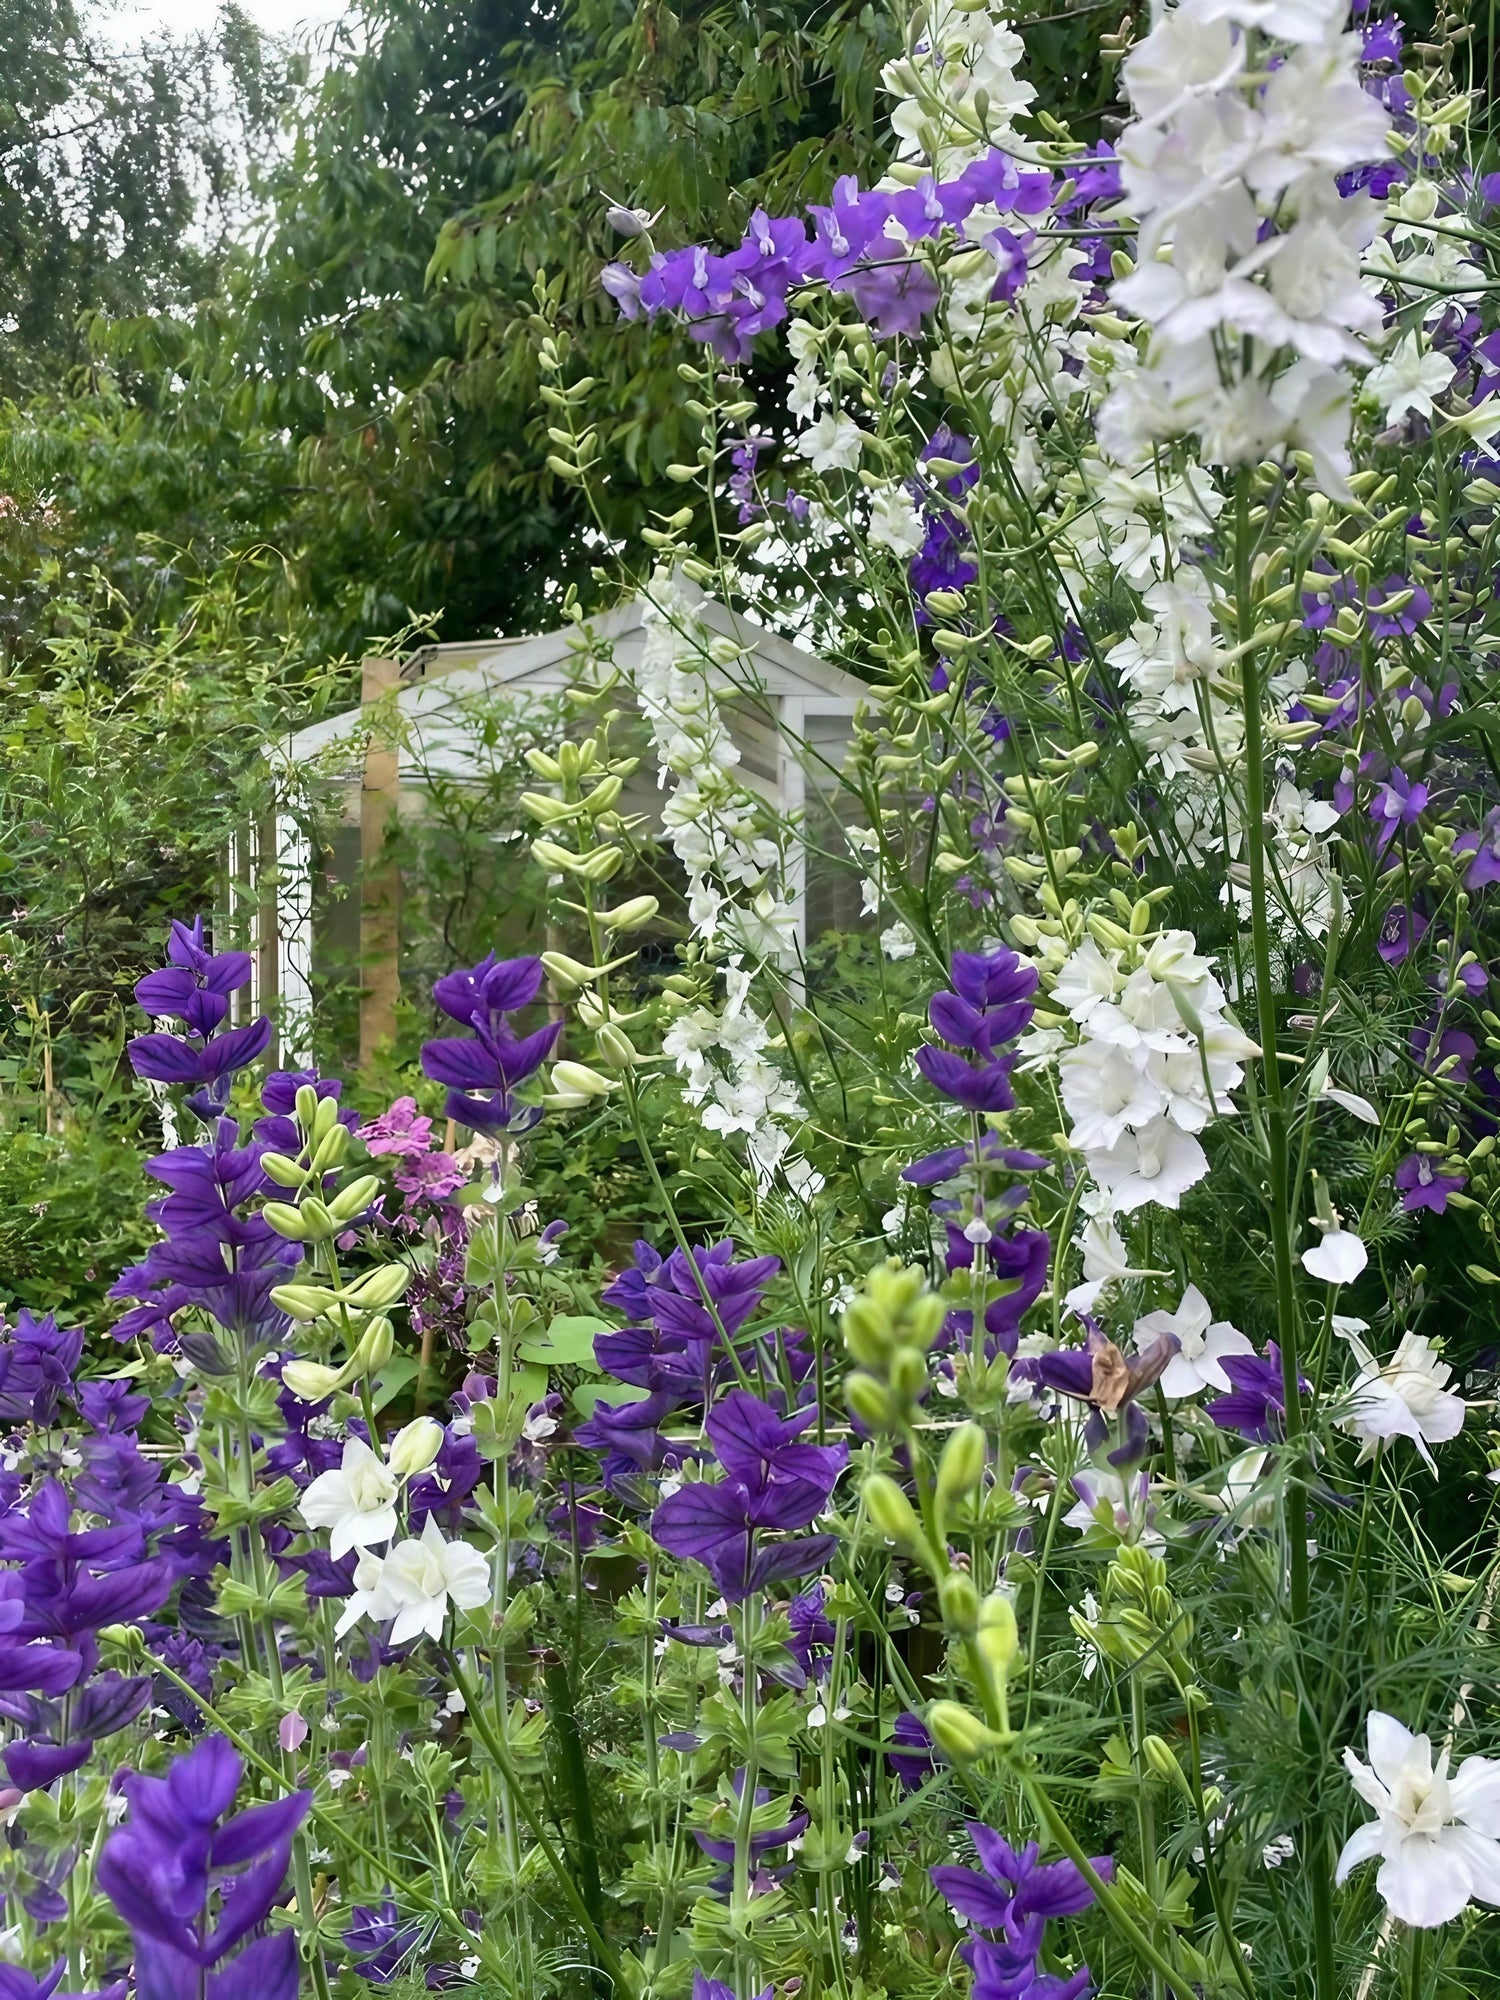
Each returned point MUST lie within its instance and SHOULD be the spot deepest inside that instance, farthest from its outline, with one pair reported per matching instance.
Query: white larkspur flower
(415, 1584)
(1409, 379)
(1201, 1341)
(1438, 1838)
(1338, 1259)
(1406, 1396)
(832, 442)
(356, 1502)
(1159, 1163)
(895, 523)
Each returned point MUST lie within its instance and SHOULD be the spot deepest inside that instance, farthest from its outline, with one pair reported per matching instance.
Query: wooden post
(380, 869)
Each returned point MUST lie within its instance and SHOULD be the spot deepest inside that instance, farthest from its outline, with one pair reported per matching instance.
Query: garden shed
(303, 899)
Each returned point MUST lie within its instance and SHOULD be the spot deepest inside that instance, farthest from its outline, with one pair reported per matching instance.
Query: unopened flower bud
(1161, 1759)
(997, 1637)
(414, 1447)
(331, 1146)
(961, 1466)
(867, 1332)
(325, 1117)
(353, 1200)
(578, 1080)
(306, 1102)
(311, 1381)
(615, 1045)
(316, 1220)
(908, 1373)
(282, 1169)
(379, 1288)
(957, 1733)
(567, 971)
(871, 1401)
(892, 1513)
(959, 1601)
(303, 1301)
(631, 916)
(285, 1220)
(376, 1346)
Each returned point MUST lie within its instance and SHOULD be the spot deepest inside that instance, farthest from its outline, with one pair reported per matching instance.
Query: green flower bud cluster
(311, 1219)
(356, 1310)
(889, 1329)
(1140, 1624)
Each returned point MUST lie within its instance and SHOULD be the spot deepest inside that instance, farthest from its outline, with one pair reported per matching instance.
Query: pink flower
(400, 1130)
(432, 1177)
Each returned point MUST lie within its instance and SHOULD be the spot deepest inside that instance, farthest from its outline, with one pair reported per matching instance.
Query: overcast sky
(135, 18)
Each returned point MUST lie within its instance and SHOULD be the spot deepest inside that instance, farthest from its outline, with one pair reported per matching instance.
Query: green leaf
(587, 1394)
(569, 1342)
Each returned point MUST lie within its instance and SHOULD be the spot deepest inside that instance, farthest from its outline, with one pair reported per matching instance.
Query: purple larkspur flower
(1256, 1404)
(1483, 844)
(1402, 623)
(192, 1885)
(912, 1755)
(1098, 1373)
(1399, 802)
(379, 1942)
(1381, 40)
(1423, 1186)
(493, 1058)
(1400, 929)
(764, 1841)
(18, 1984)
(1432, 1048)
(773, 1482)
(194, 988)
(1012, 1886)
(1019, 1259)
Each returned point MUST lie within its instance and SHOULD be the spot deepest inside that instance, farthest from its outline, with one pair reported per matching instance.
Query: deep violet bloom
(671, 1290)
(1483, 843)
(990, 1004)
(715, 1989)
(773, 1482)
(1402, 623)
(1399, 802)
(912, 1755)
(216, 1253)
(278, 1131)
(36, 1369)
(1098, 1373)
(18, 1984)
(379, 1942)
(1007, 1969)
(766, 1841)
(494, 1058)
(1454, 1047)
(1422, 1186)
(811, 1628)
(177, 1857)
(952, 1160)
(1255, 1406)
(1400, 929)
(1015, 1886)
(1020, 1261)
(194, 988)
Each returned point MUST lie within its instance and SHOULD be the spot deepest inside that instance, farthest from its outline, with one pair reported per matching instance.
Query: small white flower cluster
(713, 823)
(1156, 1057)
(1245, 113)
(963, 52)
(722, 1057)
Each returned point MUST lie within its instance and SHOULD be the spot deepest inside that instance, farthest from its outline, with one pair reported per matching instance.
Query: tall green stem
(1279, 1174)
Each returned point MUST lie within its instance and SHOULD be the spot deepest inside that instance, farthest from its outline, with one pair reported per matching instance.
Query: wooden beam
(380, 868)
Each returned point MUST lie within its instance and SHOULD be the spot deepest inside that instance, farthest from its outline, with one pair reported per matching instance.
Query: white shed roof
(436, 678)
